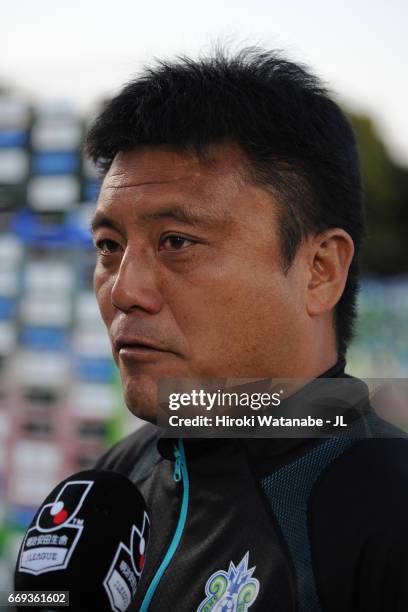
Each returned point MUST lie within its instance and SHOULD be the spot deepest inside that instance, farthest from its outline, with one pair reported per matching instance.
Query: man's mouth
(141, 349)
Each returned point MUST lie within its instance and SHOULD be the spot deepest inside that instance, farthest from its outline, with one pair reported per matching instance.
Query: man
(228, 231)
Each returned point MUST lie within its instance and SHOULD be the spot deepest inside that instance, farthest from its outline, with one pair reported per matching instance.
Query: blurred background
(60, 399)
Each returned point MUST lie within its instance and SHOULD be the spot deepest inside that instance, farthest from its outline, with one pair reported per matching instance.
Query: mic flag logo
(124, 573)
(48, 546)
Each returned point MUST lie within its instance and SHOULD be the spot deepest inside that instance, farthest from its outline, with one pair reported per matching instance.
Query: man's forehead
(161, 165)
(149, 184)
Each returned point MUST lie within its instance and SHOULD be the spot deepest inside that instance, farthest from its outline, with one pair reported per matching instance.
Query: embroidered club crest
(232, 591)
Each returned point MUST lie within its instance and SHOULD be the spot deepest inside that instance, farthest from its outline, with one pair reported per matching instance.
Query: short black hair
(296, 140)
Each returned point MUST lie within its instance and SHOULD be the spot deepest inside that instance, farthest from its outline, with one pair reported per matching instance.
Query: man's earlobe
(331, 253)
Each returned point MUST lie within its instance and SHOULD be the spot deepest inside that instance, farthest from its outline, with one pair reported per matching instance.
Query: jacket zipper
(180, 473)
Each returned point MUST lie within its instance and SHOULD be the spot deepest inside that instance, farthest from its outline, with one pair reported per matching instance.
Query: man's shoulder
(356, 522)
(372, 474)
(375, 459)
(135, 455)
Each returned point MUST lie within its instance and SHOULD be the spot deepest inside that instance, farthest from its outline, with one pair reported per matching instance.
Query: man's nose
(136, 286)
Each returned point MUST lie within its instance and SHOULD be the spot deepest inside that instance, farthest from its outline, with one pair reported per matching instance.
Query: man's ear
(330, 256)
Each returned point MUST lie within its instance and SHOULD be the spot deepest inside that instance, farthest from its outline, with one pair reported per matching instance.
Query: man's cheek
(103, 297)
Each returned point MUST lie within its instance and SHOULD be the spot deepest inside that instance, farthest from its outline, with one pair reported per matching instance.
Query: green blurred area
(386, 198)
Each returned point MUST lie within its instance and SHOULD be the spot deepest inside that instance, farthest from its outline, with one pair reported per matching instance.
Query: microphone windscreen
(89, 537)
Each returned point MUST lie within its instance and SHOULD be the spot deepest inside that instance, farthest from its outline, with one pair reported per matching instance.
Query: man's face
(189, 276)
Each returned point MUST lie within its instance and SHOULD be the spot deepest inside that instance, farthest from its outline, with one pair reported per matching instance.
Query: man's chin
(140, 393)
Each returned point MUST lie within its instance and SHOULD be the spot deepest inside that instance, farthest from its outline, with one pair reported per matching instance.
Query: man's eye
(106, 247)
(174, 242)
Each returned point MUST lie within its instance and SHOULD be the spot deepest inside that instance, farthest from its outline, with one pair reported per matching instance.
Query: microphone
(89, 537)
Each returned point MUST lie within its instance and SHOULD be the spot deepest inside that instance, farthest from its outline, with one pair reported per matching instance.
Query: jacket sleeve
(358, 527)
(382, 583)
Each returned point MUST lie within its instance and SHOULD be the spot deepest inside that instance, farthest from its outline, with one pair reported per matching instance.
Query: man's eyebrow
(184, 214)
(100, 220)
(175, 212)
